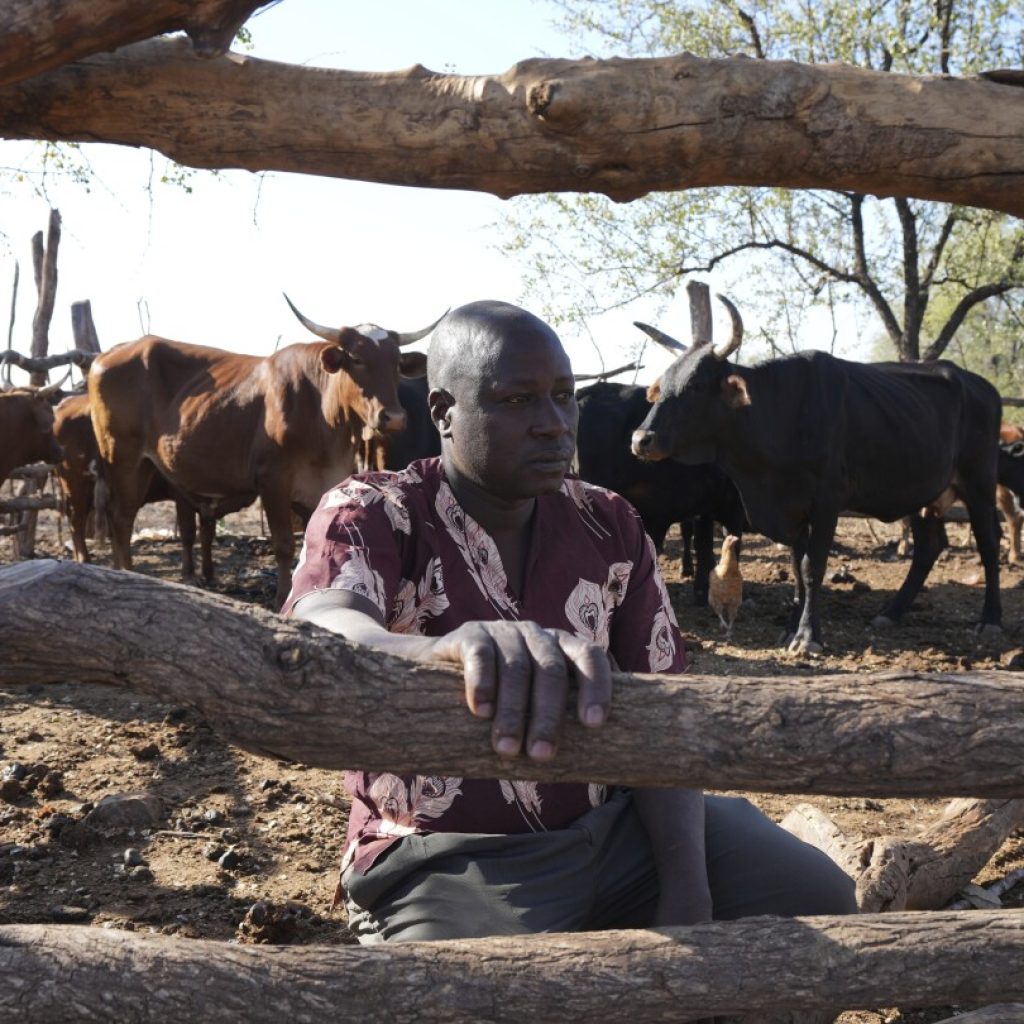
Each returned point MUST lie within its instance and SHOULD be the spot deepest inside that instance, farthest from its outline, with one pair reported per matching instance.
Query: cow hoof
(805, 647)
(882, 622)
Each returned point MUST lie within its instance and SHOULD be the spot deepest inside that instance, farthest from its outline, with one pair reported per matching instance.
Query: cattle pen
(286, 690)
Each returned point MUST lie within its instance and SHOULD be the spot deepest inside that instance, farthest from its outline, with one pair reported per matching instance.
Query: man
(493, 559)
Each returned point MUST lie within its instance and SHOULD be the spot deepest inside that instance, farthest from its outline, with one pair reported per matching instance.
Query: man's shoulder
(598, 503)
(405, 487)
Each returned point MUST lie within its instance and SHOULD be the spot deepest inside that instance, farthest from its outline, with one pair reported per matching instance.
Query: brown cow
(226, 428)
(26, 429)
(77, 474)
(1007, 500)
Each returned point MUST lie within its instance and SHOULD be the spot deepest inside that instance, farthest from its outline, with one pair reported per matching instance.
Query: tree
(899, 258)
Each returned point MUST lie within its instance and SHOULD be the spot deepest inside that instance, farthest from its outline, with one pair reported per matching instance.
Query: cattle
(1008, 489)
(225, 428)
(809, 436)
(663, 492)
(78, 477)
(418, 440)
(1011, 484)
(26, 428)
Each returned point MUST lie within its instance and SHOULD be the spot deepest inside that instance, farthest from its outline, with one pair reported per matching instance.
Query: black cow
(419, 439)
(662, 492)
(809, 436)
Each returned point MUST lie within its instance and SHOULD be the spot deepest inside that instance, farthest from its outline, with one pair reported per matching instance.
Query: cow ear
(412, 364)
(734, 391)
(654, 391)
(333, 359)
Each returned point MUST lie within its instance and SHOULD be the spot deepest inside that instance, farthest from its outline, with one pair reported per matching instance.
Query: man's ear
(734, 392)
(440, 403)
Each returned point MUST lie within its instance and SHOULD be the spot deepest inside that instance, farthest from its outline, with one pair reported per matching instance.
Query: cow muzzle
(389, 422)
(644, 445)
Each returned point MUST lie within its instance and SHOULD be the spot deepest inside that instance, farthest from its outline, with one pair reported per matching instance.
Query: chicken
(725, 592)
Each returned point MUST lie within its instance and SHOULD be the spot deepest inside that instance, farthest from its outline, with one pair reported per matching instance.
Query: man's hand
(518, 675)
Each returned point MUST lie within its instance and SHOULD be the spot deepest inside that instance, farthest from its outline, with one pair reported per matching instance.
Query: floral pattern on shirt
(526, 796)
(356, 492)
(478, 550)
(405, 806)
(360, 577)
(590, 605)
(416, 602)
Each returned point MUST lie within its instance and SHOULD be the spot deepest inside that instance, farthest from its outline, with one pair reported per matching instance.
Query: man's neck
(498, 516)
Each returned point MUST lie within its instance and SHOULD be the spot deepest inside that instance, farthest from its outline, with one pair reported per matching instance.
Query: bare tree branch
(621, 127)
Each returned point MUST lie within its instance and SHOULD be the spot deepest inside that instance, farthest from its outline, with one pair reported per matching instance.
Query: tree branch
(863, 277)
(35, 38)
(621, 127)
(963, 307)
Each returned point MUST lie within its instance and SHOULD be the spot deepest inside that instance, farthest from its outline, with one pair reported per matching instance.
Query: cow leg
(277, 505)
(121, 492)
(796, 610)
(187, 532)
(207, 531)
(78, 507)
(985, 525)
(809, 568)
(930, 541)
(704, 548)
(1008, 505)
(686, 533)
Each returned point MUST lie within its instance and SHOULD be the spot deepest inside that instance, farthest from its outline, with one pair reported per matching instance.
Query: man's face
(512, 427)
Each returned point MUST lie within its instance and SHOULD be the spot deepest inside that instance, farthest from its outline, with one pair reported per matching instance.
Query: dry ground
(246, 848)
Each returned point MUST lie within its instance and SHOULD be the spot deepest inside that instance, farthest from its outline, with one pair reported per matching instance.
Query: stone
(62, 914)
(126, 810)
(132, 857)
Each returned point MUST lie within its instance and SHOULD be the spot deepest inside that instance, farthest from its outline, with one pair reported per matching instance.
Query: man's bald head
(469, 339)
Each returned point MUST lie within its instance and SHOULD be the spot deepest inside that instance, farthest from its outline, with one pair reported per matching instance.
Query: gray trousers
(599, 873)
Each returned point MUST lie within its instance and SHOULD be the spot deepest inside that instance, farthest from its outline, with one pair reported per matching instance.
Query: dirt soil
(241, 848)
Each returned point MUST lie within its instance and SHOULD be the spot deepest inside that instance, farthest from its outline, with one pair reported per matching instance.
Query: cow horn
(663, 339)
(327, 333)
(725, 350)
(408, 337)
(51, 389)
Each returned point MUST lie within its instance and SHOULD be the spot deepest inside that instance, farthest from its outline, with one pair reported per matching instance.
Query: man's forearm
(360, 628)
(674, 821)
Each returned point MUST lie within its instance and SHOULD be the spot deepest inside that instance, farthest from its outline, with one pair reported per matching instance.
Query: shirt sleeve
(351, 543)
(645, 635)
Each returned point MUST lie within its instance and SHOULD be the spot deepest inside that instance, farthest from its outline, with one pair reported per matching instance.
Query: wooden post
(701, 328)
(44, 265)
(83, 328)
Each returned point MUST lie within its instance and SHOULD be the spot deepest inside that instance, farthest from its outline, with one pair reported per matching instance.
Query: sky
(209, 266)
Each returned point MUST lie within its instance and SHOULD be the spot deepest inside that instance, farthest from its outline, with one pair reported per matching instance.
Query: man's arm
(674, 821)
(516, 674)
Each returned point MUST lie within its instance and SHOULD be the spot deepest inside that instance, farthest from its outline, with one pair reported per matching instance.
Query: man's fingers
(550, 692)
(515, 675)
(592, 668)
(476, 651)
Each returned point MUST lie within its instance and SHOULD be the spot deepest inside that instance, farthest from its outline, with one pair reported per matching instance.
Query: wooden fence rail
(288, 689)
(763, 965)
(30, 502)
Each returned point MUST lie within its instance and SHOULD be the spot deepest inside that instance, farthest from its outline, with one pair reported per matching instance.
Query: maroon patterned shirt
(403, 541)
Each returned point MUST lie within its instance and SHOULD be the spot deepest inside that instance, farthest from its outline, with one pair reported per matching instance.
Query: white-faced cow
(225, 428)
(809, 436)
